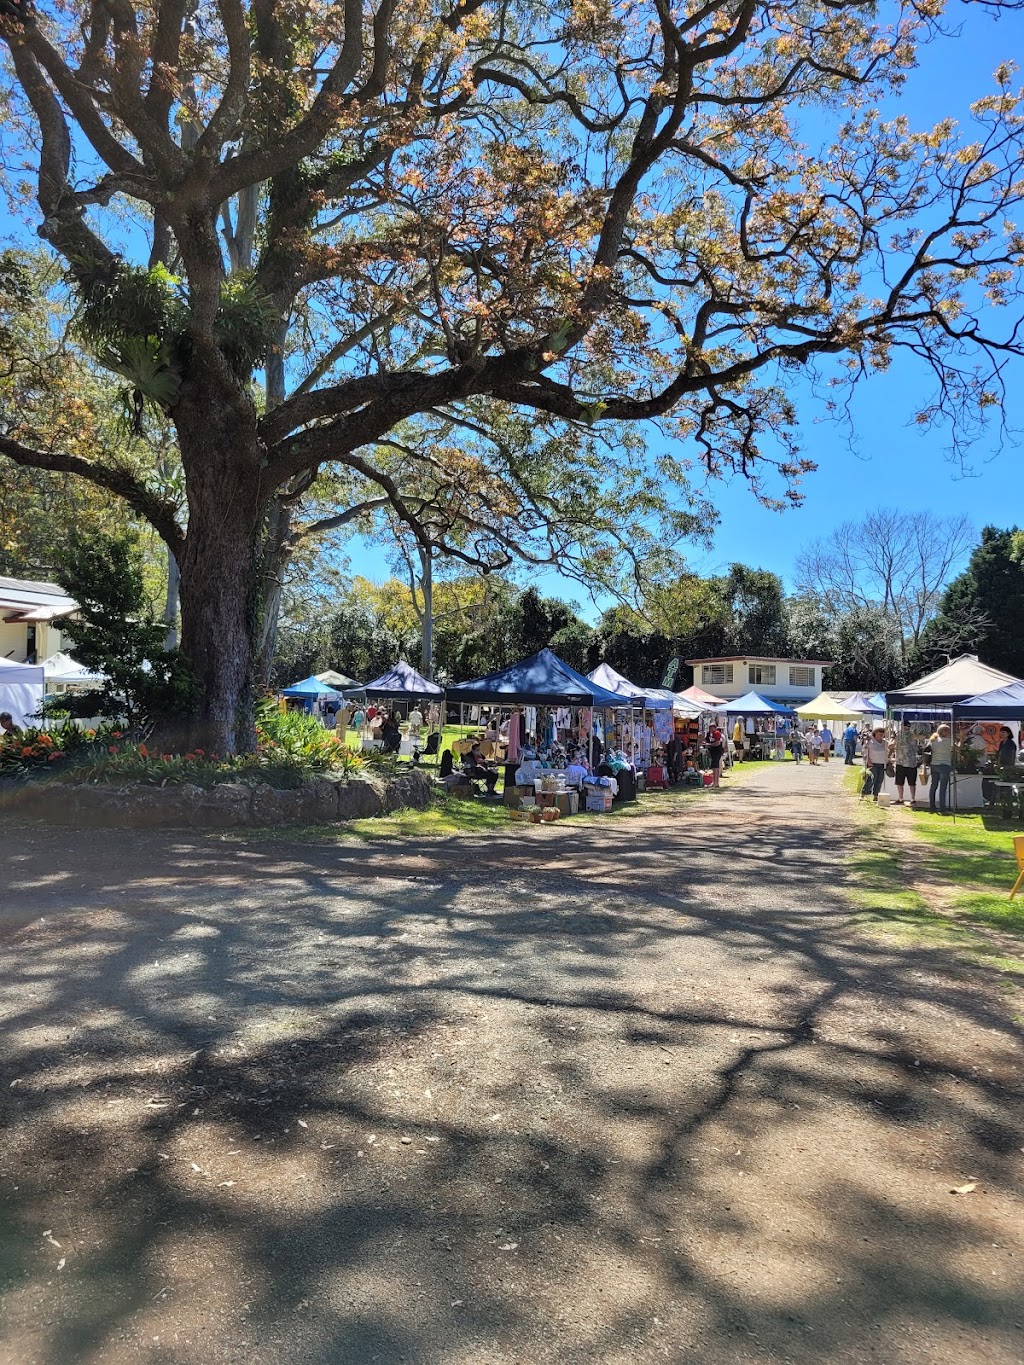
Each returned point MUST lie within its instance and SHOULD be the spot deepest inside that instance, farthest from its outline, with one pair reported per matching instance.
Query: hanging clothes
(531, 721)
(514, 746)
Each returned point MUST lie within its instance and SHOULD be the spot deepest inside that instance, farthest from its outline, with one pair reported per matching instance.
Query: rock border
(230, 805)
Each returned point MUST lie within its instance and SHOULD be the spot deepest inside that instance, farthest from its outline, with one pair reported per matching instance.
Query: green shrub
(291, 748)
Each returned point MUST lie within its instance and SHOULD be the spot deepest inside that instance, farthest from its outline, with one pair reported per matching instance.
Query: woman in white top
(876, 755)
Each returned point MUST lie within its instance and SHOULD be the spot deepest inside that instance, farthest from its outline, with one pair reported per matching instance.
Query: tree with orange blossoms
(420, 209)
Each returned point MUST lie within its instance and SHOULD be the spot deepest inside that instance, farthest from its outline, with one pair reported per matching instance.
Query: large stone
(224, 807)
(322, 795)
(412, 789)
(360, 797)
(266, 805)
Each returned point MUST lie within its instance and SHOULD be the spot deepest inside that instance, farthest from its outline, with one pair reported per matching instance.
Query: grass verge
(895, 899)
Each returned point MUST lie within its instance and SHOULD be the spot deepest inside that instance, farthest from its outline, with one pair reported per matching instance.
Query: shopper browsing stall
(876, 755)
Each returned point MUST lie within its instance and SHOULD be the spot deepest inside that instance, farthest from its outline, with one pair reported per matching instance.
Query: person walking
(811, 745)
(716, 744)
(876, 755)
(825, 740)
(941, 767)
(850, 743)
(798, 744)
(738, 735)
(907, 758)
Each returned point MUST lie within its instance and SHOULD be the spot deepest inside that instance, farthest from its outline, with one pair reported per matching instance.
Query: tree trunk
(275, 566)
(279, 524)
(220, 582)
(170, 612)
(427, 587)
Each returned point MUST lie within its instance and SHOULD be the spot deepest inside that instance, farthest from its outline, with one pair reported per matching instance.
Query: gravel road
(625, 1091)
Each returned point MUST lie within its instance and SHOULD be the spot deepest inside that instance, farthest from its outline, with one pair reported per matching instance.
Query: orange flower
(143, 751)
(111, 748)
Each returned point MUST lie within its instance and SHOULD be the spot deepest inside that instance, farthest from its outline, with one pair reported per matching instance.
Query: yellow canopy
(825, 707)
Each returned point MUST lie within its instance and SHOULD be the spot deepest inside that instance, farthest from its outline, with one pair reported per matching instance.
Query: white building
(30, 615)
(787, 680)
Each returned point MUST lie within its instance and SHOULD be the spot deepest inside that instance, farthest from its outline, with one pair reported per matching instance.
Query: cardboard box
(566, 803)
(514, 795)
(598, 801)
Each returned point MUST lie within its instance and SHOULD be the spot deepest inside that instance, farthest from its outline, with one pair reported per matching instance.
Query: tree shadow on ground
(631, 1100)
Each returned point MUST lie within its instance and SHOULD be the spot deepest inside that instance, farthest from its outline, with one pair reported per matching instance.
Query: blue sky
(893, 463)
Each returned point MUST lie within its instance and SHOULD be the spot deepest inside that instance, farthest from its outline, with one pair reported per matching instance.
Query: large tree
(982, 610)
(472, 208)
(890, 561)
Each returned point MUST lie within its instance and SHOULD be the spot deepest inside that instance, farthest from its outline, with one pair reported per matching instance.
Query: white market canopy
(961, 678)
(21, 690)
(650, 698)
(825, 707)
(62, 668)
(334, 679)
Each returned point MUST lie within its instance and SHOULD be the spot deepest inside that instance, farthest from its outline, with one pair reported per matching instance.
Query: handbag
(890, 768)
(866, 784)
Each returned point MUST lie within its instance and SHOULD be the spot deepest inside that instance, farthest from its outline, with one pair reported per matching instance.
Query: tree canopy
(470, 243)
(982, 609)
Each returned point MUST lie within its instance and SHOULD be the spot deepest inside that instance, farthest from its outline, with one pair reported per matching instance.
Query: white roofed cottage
(792, 681)
(30, 612)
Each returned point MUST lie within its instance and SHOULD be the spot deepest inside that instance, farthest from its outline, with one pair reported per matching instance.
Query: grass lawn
(957, 885)
(975, 854)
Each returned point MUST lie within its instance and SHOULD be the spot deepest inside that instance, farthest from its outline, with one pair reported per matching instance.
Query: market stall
(767, 723)
(310, 695)
(21, 691)
(404, 692)
(938, 697)
(545, 708)
(649, 724)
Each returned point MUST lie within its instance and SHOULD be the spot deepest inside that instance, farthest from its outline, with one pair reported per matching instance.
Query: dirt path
(629, 1092)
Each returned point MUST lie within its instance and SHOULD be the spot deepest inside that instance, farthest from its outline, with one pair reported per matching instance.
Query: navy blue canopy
(400, 682)
(1001, 703)
(753, 704)
(541, 680)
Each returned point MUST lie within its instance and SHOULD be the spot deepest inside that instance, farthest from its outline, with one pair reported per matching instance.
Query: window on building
(801, 677)
(716, 674)
(763, 674)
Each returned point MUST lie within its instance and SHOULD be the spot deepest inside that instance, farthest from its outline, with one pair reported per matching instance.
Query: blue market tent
(400, 683)
(651, 700)
(309, 688)
(877, 699)
(753, 704)
(541, 680)
(1001, 703)
(867, 706)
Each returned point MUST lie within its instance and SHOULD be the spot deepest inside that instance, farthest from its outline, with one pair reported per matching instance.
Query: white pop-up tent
(65, 671)
(21, 690)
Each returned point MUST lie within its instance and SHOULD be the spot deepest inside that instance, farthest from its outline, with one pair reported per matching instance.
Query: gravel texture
(624, 1091)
